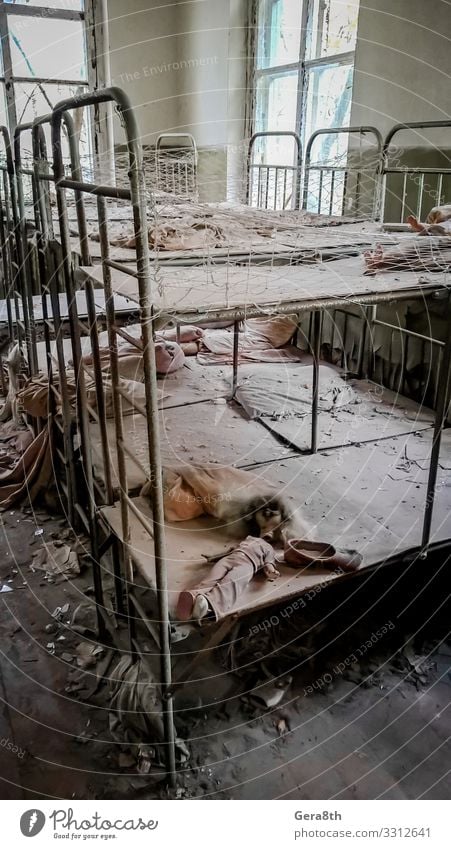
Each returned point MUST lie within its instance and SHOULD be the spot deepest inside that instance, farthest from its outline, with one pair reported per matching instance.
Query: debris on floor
(56, 560)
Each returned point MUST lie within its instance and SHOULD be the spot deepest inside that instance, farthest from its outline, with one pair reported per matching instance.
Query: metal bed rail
(14, 258)
(414, 186)
(357, 351)
(9, 289)
(274, 186)
(176, 164)
(61, 417)
(136, 195)
(343, 188)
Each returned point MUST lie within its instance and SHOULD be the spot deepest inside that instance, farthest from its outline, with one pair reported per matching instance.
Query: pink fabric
(228, 578)
(192, 491)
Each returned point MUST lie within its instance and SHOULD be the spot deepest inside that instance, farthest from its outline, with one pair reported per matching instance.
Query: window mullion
(334, 59)
(277, 69)
(307, 17)
(7, 70)
(41, 12)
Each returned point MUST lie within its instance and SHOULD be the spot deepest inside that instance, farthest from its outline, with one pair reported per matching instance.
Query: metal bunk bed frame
(344, 169)
(14, 257)
(7, 198)
(291, 194)
(89, 511)
(137, 197)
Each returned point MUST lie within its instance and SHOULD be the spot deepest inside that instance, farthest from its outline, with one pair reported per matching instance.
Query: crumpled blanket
(178, 235)
(192, 491)
(290, 354)
(135, 711)
(256, 334)
(276, 395)
(31, 475)
(34, 397)
(229, 578)
(258, 340)
(185, 235)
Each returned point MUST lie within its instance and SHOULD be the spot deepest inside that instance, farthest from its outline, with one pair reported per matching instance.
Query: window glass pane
(47, 48)
(34, 100)
(276, 110)
(78, 5)
(329, 92)
(279, 32)
(333, 27)
(273, 176)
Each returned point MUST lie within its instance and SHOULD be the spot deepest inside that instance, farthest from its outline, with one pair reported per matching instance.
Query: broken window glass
(279, 32)
(333, 28)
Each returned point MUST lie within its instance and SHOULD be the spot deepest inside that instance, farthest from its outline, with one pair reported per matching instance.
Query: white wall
(143, 51)
(183, 64)
(174, 60)
(402, 70)
(203, 92)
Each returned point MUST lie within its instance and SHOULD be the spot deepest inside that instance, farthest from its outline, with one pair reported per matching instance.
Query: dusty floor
(366, 716)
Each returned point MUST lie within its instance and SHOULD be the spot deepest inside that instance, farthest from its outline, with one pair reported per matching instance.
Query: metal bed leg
(362, 344)
(315, 393)
(440, 417)
(118, 587)
(236, 336)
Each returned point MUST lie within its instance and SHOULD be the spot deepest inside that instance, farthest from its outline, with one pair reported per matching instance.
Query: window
(43, 60)
(304, 71)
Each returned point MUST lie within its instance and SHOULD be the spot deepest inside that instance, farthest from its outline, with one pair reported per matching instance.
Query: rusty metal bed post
(236, 339)
(117, 404)
(138, 199)
(49, 287)
(441, 413)
(7, 174)
(18, 284)
(345, 169)
(20, 228)
(41, 168)
(138, 193)
(316, 350)
(58, 169)
(296, 170)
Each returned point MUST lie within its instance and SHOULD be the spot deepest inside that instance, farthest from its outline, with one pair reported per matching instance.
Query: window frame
(8, 78)
(302, 67)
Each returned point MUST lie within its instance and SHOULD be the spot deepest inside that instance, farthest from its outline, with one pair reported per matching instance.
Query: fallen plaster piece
(272, 692)
(56, 560)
